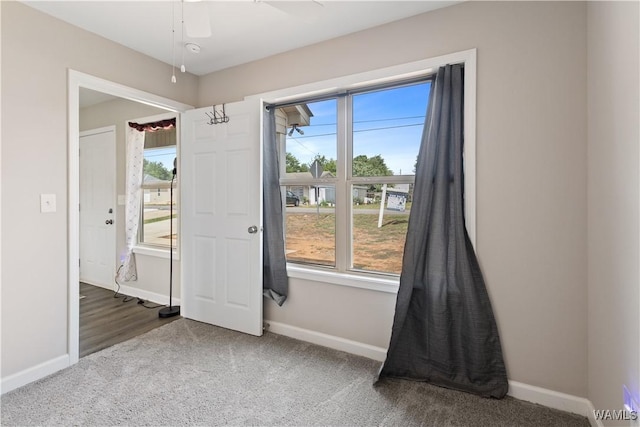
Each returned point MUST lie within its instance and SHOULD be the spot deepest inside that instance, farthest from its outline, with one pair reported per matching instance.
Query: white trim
(552, 399)
(373, 282)
(132, 291)
(34, 373)
(156, 252)
(331, 341)
(154, 297)
(99, 285)
(76, 80)
(470, 76)
(592, 418)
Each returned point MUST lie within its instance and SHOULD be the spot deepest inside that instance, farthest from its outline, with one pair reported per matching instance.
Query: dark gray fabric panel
(275, 281)
(444, 331)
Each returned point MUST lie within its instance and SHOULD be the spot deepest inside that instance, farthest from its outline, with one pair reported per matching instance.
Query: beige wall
(614, 199)
(152, 271)
(37, 50)
(531, 173)
(531, 178)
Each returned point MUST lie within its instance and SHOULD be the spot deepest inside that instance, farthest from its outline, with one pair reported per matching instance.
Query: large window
(159, 153)
(348, 169)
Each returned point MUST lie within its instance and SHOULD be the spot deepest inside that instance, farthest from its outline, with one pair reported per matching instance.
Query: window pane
(387, 129)
(154, 224)
(310, 135)
(378, 242)
(155, 227)
(311, 224)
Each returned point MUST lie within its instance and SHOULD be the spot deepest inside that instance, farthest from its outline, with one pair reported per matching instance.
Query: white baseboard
(34, 373)
(132, 291)
(99, 285)
(331, 341)
(539, 395)
(553, 399)
(147, 295)
(591, 417)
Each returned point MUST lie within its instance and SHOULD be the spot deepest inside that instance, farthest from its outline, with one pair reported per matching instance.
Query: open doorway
(110, 314)
(96, 104)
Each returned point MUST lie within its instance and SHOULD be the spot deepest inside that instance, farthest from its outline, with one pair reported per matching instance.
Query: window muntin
(155, 228)
(377, 138)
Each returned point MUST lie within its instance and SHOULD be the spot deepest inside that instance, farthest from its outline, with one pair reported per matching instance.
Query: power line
(303, 146)
(388, 127)
(386, 120)
(359, 130)
(367, 121)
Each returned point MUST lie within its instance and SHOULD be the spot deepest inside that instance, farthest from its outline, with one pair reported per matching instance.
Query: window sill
(155, 252)
(354, 280)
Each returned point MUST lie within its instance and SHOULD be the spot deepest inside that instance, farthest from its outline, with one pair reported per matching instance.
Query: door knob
(109, 221)
(253, 229)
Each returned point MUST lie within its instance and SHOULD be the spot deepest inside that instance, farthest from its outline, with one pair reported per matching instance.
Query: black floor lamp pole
(171, 310)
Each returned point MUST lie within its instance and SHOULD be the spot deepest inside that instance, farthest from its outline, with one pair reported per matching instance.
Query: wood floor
(105, 320)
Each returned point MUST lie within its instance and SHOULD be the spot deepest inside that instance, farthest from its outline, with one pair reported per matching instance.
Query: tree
(156, 170)
(370, 166)
(294, 165)
(328, 165)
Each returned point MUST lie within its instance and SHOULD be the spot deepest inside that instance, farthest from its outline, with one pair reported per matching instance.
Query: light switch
(122, 200)
(47, 203)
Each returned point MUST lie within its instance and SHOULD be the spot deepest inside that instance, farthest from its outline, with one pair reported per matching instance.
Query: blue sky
(387, 122)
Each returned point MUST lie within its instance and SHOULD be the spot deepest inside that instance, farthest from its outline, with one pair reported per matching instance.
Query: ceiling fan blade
(196, 20)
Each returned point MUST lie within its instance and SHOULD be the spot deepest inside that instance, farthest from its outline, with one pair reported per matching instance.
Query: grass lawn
(311, 238)
(160, 218)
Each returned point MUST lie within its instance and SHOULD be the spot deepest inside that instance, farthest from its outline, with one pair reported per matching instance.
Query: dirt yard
(311, 238)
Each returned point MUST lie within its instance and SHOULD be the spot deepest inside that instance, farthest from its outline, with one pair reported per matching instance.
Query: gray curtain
(275, 282)
(444, 331)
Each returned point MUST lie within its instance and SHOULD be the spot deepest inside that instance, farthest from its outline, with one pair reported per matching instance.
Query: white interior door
(97, 206)
(220, 178)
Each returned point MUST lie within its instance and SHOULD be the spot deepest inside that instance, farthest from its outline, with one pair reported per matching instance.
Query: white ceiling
(242, 30)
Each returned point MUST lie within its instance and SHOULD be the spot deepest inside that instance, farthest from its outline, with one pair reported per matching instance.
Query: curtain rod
(326, 96)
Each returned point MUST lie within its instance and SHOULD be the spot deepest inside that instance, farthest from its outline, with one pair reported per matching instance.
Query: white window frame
(378, 281)
(344, 180)
(142, 248)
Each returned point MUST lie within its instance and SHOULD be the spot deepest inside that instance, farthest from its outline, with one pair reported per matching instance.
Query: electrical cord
(126, 298)
(117, 294)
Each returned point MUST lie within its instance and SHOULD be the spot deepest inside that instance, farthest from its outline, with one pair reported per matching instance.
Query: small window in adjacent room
(159, 153)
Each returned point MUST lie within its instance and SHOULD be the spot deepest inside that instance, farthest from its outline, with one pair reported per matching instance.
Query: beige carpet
(189, 373)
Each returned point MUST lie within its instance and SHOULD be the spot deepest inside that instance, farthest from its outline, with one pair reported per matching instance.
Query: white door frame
(113, 196)
(76, 80)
